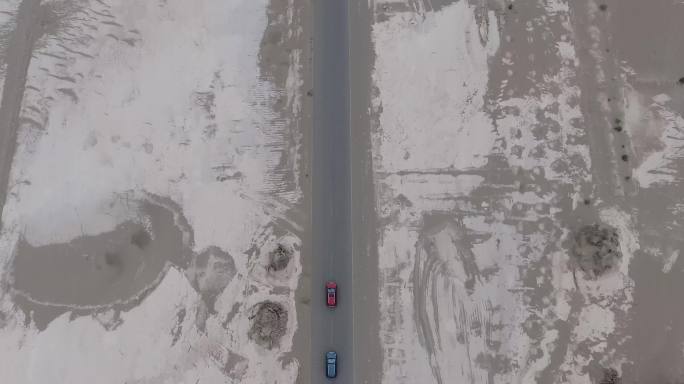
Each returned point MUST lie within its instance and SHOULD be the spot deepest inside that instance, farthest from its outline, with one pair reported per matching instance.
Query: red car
(331, 294)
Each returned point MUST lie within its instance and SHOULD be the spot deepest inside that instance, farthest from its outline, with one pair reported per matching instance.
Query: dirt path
(367, 353)
(18, 56)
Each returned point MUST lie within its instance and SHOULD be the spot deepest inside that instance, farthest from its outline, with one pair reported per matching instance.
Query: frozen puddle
(90, 272)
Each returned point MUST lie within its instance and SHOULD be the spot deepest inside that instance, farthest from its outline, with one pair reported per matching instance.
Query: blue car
(331, 364)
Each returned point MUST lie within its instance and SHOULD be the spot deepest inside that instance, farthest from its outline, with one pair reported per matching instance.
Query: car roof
(331, 354)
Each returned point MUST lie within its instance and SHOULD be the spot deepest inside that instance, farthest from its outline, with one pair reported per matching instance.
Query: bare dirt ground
(503, 130)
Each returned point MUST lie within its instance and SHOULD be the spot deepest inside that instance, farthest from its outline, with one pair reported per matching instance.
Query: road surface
(331, 191)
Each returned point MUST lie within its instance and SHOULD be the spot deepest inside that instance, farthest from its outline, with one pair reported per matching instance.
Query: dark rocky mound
(597, 249)
(279, 258)
(269, 323)
(610, 376)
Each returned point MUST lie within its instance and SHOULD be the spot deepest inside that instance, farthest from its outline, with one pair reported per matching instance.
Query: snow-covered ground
(134, 101)
(500, 129)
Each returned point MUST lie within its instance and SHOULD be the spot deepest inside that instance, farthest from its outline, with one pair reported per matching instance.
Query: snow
(496, 188)
(128, 100)
(408, 63)
(659, 129)
(140, 350)
(159, 98)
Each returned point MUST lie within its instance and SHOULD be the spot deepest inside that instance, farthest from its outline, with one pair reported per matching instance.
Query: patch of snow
(427, 59)
(658, 130)
(670, 261)
(662, 98)
(596, 322)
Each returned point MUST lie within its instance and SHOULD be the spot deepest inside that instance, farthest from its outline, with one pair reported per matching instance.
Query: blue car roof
(331, 355)
(331, 372)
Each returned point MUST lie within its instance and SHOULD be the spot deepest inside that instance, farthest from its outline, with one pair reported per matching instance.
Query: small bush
(597, 249)
(269, 324)
(279, 258)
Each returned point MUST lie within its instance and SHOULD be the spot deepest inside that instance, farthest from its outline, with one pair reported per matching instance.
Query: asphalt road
(331, 330)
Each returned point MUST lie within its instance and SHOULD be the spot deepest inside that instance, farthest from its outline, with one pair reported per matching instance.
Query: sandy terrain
(155, 172)
(501, 130)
